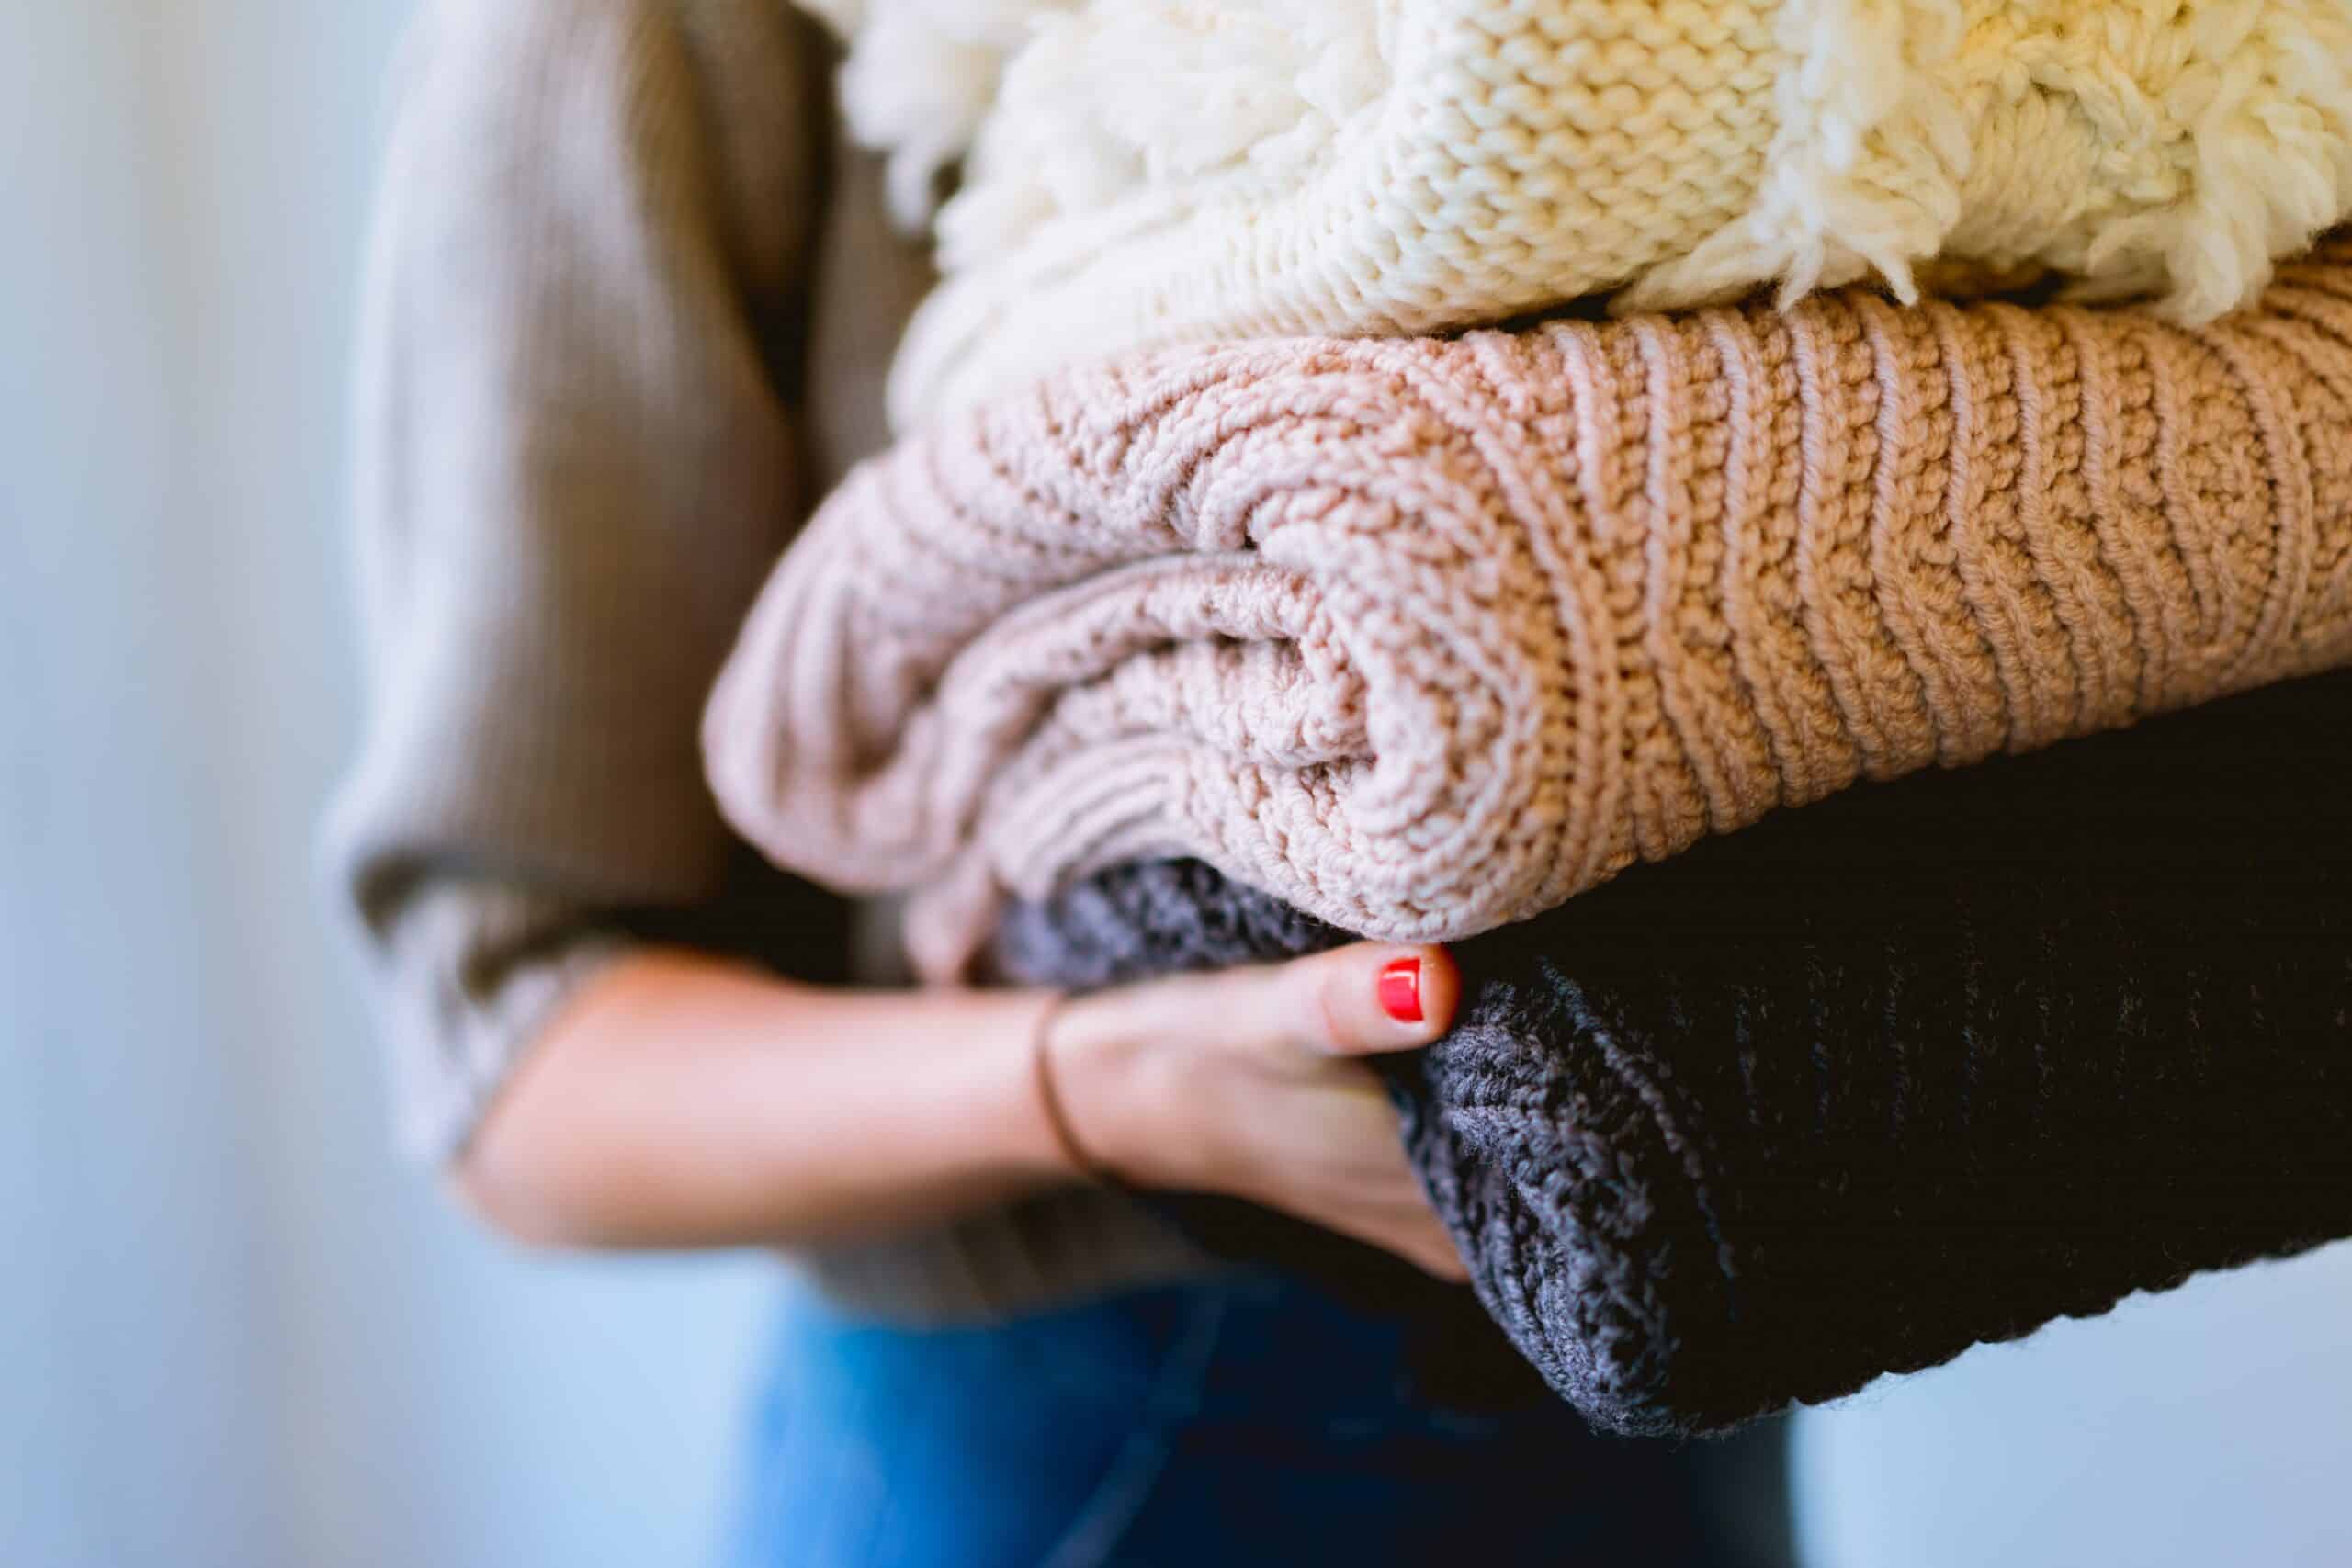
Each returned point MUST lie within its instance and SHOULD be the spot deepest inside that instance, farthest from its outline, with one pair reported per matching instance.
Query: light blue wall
(2206, 1428)
(232, 1333)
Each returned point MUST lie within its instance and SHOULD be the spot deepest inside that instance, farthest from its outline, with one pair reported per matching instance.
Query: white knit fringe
(1148, 171)
(920, 77)
(2223, 126)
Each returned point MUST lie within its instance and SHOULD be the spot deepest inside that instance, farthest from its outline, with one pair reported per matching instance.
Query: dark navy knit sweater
(1926, 1064)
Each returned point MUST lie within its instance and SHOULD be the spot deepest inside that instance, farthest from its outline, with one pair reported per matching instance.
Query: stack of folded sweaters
(1227, 598)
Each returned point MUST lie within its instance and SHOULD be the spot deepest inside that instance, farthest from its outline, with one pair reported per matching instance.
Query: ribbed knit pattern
(1147, 173)
(1926, 1065)
(1426, 637)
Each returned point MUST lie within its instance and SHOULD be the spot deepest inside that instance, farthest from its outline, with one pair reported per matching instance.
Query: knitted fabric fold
(1136, 172)
(1924, 1066)
(1423, 638)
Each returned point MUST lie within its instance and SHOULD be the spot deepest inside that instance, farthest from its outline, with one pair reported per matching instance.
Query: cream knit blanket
(1427, 636)
(1145, 172)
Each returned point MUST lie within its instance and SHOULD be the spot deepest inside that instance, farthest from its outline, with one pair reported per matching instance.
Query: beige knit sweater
(1426, 637)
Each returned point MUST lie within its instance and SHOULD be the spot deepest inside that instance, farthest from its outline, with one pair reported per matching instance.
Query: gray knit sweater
(626, 308)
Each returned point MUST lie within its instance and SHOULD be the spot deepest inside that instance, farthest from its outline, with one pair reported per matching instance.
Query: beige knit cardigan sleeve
(1426, 637)
(572, 462)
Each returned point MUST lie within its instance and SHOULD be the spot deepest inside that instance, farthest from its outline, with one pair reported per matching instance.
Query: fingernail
(1400, 990)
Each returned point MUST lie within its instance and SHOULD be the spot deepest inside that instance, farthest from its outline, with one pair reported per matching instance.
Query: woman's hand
(1249, 1083)
(684, 1100)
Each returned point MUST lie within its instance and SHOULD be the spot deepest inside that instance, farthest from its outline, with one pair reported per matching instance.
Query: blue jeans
(1241, 1421)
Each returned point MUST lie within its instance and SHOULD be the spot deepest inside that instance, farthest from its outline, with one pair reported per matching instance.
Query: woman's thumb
(1371, 998)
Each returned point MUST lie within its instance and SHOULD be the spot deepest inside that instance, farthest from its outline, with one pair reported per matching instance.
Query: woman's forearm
(682, 1100)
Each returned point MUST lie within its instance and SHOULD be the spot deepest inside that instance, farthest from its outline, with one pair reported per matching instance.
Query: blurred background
(234, 1332)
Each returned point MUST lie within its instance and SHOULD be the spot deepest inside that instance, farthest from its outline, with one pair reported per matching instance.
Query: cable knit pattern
(1924, 1066)
(1424, 638)
(1146, 171)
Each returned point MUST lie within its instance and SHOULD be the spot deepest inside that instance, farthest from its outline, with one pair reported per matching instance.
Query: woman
(628, 306)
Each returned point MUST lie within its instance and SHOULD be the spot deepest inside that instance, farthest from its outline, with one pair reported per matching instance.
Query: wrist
(1111, 1090)
(1076, 1158)
(1011, 1098)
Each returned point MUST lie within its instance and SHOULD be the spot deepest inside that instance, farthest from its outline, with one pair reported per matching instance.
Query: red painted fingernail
(1400, 990)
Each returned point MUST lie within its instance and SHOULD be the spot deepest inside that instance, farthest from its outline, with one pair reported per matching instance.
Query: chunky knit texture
(1424, 638)
(1928, 1065)
(1143, 172)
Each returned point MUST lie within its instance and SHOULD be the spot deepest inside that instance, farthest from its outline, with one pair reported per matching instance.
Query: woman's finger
(1410, 1231)
(1369, 999)
(1428, 1248)
(1374, 1196)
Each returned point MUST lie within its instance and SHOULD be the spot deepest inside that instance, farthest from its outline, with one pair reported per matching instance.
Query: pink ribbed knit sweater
(1426, 637)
